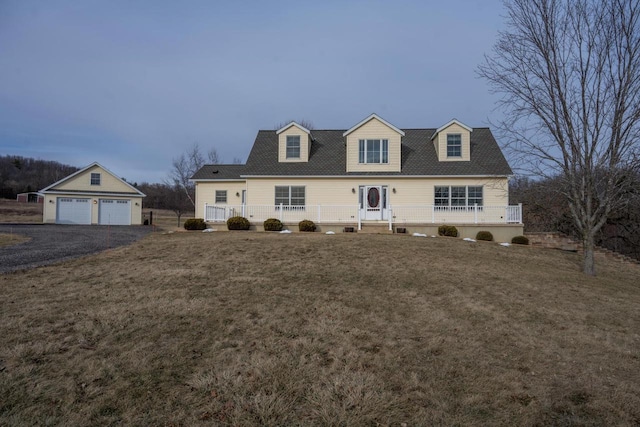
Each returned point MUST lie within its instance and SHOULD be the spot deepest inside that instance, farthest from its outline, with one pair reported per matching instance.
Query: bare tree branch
(184, 167)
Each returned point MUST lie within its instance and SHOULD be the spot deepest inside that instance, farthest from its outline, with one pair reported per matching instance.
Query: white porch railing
(259, 213)
(397, 214)
(457, 214)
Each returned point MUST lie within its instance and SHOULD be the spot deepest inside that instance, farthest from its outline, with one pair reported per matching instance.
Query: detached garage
(93, 195)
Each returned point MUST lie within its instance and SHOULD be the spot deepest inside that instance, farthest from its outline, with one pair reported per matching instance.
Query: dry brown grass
(11, 239)
(258, 328)
(11, 211)
(166, 219)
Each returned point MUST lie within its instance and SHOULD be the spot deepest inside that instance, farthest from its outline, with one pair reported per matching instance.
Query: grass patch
(262, 328)
(12, 211)
(11, 239)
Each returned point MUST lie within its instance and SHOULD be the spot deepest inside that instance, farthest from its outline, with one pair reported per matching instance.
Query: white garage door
(73, 211)
(114, 212)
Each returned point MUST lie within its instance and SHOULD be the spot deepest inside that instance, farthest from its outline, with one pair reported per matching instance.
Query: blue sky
(131, 85)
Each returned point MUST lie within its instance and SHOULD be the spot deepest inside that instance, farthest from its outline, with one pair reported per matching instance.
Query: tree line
(22, 174)
(545, 210)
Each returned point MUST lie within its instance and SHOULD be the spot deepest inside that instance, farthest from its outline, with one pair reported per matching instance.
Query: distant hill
(21, 174)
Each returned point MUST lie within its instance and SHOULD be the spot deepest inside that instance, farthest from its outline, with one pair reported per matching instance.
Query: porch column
(519, 213)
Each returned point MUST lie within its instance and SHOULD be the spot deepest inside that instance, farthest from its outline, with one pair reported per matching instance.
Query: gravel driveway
(52, 243)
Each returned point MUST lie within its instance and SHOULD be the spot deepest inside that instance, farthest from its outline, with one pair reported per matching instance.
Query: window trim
(290, 197)
(291, 140)
(96, 178)
(219, 194)
(454, 145)
(382, 152)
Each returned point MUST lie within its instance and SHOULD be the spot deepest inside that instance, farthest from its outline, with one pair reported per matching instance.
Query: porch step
(375, 229)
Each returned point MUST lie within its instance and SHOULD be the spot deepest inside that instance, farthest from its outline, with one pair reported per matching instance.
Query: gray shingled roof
(328, 157)
(227, 172)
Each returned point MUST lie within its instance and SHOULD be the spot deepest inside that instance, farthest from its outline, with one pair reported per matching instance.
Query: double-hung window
(293, 146)
(373, 151)
(95, 179)
(474, 195)
(441, 196)
(457, 196)
(454, 145)
(221, 196)
(290, 196)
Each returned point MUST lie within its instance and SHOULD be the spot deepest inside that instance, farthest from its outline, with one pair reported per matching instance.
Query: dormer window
(373, 151)
(95, 179)
(454, 145)
(293, 146)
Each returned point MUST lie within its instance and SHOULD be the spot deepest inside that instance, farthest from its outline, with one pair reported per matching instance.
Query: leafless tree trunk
(569, 75)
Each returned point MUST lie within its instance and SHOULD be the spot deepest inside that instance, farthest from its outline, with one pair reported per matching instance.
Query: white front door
(373, 202)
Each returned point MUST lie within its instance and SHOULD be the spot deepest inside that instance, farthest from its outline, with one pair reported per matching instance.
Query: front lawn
(252, 328)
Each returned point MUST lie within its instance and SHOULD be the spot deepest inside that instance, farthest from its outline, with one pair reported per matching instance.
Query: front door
(373, 202)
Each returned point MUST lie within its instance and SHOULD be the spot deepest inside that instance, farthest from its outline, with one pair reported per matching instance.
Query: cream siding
(82, 182)
(441, 143)
(51, 200)
(374, 129)
(206, 194)
(409, 191)
(305, 143)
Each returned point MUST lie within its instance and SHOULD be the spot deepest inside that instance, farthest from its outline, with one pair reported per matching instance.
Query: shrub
(195, 224)
(520, 240)
(238, 223)
(307, 225)
(272, 224)
(484, 235)
(448, 230)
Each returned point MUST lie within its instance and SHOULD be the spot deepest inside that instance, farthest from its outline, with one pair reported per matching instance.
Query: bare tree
(177, 201)
(569, 75)
(214, 158)
(307, 124)
(186, 165)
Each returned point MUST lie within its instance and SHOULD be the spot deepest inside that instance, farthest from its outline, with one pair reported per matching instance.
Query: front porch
(392, 217)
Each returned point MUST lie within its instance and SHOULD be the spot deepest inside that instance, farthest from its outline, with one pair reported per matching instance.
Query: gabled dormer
(294, 143)
(453, 142)
(373, 145)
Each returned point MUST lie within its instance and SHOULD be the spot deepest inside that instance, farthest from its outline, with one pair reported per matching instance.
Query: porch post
(475, 213)
(519, 213)
(205, 212)
(280, 212)
(359, 219)
(390, 218)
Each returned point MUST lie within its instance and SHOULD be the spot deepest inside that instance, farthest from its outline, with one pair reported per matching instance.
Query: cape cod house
(373, 175)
